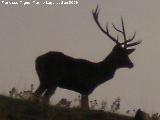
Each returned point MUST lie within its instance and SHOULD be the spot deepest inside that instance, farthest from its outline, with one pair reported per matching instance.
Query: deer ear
(129, 51)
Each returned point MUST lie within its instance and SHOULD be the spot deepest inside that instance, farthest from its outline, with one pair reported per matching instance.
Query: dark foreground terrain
(16, 109)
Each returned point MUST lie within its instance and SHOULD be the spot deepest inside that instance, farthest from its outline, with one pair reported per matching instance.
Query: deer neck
(108, 67)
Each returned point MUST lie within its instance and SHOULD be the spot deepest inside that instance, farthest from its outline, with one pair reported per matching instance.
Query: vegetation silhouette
(56, 69)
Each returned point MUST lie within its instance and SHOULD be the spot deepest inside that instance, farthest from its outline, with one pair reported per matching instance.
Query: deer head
(121, 50)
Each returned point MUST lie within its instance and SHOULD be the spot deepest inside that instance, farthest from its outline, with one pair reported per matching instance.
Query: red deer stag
(55, 69)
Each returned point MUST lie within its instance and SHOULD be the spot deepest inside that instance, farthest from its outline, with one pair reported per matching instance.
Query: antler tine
(124, 32)
(95, 14)
(117, 37)
(116, 28)
(129, 40)
(133, 44)
(108, 34)
(107, 30)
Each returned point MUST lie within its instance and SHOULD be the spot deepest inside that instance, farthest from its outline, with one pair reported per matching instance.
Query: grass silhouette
(18, 109)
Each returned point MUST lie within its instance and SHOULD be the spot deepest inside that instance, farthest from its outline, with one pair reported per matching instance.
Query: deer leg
(37, 94)
(84, 101)
(47, 95)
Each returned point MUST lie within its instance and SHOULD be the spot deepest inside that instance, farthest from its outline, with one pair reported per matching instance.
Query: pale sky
(27, 32)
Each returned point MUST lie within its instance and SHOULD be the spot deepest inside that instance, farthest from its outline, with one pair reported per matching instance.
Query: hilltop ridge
(17, 109)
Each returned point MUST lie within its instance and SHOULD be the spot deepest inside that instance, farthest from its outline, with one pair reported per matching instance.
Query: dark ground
(16, 109)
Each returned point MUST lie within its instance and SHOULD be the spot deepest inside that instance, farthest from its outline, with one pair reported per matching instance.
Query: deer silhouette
(56, 69)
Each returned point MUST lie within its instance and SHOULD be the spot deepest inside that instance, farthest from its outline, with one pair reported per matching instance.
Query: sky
(29, 31)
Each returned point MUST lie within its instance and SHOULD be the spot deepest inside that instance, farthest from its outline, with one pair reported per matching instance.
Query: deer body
(74, 74)
(55, 69)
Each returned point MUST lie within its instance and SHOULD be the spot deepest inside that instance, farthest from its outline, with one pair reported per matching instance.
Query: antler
(126, 42)
(95, 16)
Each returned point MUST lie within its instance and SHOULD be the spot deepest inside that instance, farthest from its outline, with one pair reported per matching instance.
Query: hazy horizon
(27, 32)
